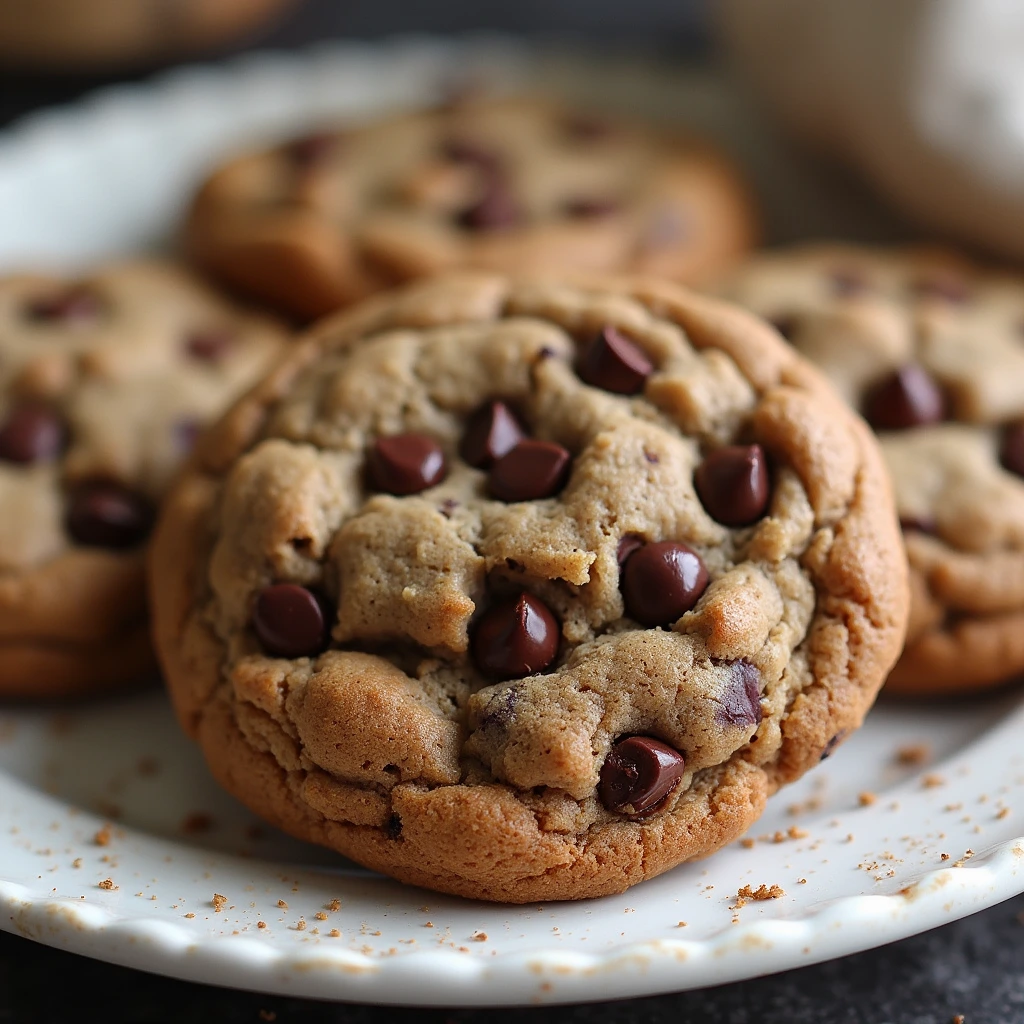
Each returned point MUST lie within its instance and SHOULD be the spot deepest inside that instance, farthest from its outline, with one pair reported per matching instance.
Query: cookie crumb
(1004, 813)
(429, 924)
(943, 856)
(479, 936)
(320, 915)
(866, 799)
(913, 754)
(300, 925)
(219, 902)
(932, 781)
(103, 836)
(107, 884)
(680, 924)
(747, 844)
(334, 933)
(797, 833)
(334, 905)
(261, 924)
(77, 862)
(282, 904)
(958, 1018)
(801, 881)
(762, 892)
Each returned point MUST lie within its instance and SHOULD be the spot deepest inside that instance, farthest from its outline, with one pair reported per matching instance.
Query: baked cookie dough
(105, 382)
(499, 184)
(931, 350)
(528, 591)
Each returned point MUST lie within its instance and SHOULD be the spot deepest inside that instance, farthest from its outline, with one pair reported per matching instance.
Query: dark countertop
(973, 968)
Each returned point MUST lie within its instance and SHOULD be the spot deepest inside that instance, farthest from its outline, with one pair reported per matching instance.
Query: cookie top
(517, 185)
(528, 591)
(931, 350)
(105, 382)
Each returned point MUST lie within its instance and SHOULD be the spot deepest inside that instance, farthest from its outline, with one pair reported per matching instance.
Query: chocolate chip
(732, 484)
(918, 524)
(584, 208)
(500, 709)
(741, 698)
(466, 151)
(947, 286)
(492, 432)
(107, 515)
(1011, 452)
(406, 463)
(661, 581)
(289, 621)
(628, 543)
(614, 363)
(393, 827)
(531, 470)
(312, 150)
(516, 638)
(32, 433)
(833, 743)
(209, 345)
(447, 507)
(639, 774)
(786, 326)
(910, 397)
(76, 305)
(496, 210)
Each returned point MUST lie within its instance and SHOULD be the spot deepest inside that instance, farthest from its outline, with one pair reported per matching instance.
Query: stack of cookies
(526, 573)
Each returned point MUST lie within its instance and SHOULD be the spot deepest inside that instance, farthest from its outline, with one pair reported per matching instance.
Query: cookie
(931, 350)
(104, 384)
(526, 591)
(507, 185)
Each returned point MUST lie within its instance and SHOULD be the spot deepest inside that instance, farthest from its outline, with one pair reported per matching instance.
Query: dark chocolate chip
(492, 431)
(590, 208)
(500, 709)
(466, 151)
(76, 305)
(732, 484)
(496, 210)
(32, 433)
(289, 621)
(741, 698)
(918, 524)
(448, 506)
(628, 543)
(833, 743)
(209, 345)
(393, 827)
(406, 463)
(614, 363)
(1011, 451)
(516, 638)
(910, 397)
(107, 515)
(531, 470)
(312, 150)
(661, 581)
(638, 774)
(949, 287)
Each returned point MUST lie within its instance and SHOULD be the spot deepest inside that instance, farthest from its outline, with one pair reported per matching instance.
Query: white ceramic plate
(113, 840)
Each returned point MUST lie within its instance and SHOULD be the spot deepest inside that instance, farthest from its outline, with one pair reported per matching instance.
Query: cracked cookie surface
(513, 185)
(931, 349)
(428, 597)
(105, 382)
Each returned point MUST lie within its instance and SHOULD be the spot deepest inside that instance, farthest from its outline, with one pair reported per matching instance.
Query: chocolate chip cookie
(528, 591)
(505, 185)
(931, 350)
(104, 384)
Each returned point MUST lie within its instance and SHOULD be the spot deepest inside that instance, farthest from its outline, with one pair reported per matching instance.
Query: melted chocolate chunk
(107, 515)
(741, 698)
(615, 363)
(32, 433)
(638, 775)
(531, 470)
(910, 397)
(662, 581)
(405, 463)
(516, 638)
(290, 621)
(492, 431)
(732, 484)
